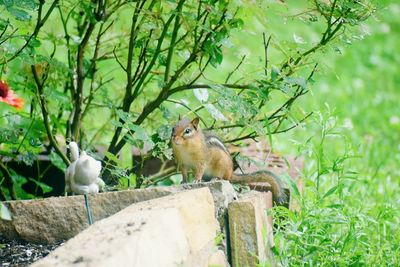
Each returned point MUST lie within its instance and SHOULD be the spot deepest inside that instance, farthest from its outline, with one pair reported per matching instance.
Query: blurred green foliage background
(349, 212)
(352, 142)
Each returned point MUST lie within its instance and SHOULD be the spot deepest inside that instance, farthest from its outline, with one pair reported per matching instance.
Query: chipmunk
(208, 157)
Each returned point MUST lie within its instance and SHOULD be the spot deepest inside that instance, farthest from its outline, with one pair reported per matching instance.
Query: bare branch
(187, 107)
(118, 61)
(266, 44)
(43, 106)
(235, 69)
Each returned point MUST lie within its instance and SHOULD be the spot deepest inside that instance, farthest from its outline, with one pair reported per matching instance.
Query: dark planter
(41, 170)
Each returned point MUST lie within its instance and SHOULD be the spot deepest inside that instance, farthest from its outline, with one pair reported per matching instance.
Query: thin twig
(9, 37)
(266, 44)
(293, 126)
(118, 61)
(235, 69)
(187, 107)
(43, 106)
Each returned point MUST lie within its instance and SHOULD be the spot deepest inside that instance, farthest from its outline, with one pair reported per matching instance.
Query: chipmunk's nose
(177, 140)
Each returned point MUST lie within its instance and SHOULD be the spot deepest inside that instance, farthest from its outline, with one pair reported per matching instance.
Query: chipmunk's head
(184, 130)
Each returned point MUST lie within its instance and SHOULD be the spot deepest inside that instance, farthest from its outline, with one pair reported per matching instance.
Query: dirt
(20, 253)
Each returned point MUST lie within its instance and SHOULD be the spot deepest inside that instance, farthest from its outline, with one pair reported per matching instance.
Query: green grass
(350, 208)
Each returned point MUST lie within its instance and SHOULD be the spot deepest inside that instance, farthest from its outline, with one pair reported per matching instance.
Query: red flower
(9, 97)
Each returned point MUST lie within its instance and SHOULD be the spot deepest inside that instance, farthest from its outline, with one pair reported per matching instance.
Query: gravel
(20, 253)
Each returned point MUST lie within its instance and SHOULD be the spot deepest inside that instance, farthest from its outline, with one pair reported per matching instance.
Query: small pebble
(28, 252)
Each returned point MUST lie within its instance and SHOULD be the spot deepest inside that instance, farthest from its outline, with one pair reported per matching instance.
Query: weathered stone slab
(176, 230)
(218, 259)
(55, 219)
(223, 194)
(250, 229)
(58, 218)
(222, 191)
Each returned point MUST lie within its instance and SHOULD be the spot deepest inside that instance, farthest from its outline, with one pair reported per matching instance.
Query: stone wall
(166, 231)
(206, 224)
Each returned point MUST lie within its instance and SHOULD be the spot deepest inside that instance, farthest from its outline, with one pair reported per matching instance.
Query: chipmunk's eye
(188, 131)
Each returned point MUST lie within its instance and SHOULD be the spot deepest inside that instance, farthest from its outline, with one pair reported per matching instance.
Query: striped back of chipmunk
(212, 140)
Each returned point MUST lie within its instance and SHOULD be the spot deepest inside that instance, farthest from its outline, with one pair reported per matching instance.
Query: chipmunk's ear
(195, 122)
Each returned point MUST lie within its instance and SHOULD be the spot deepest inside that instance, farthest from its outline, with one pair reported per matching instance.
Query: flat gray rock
(56, 219)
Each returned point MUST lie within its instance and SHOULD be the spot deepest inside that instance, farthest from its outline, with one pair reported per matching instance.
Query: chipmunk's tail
(277, 189)
(74, 151)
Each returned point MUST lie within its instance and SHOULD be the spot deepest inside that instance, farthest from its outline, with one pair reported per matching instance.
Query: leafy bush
(111, 73)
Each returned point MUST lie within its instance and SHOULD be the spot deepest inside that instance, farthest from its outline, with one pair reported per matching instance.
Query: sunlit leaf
(201, 94)
(19, 14)
(215, 113)
(274, 73)
(5, 213)
(57, 161)
(46, 188)
(297, 39)
(164, 132)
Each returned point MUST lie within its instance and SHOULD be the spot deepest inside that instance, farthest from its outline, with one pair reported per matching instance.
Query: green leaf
(3, 24)
(5, 213)
(164, 132)
(166, 113)
(29, 158)
(34, 42)
(215, 113)
(236, 23)
(125, 116)
(127, 182)
(35, 142)
(300, 81)
(165, 182)
(7, 154)
(219, 238)
(19, 181)
(275, 73)
(57, 161)
(258, 127)
(292, 185)
(140, 132)
(46, 188)
(335, 206)
(162, 60)
(59, 97)
(24, 4)
(176, 179)
(117, 124)
(10, 136)
(331, 191)
(229, 101)
(216, 57)
(201, 94)
(112, 157)
(19, 14)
